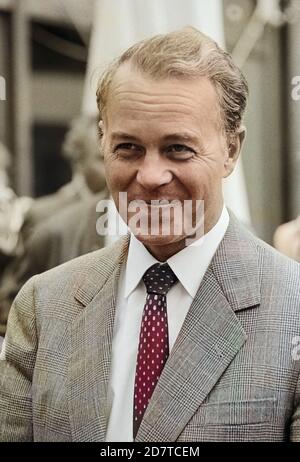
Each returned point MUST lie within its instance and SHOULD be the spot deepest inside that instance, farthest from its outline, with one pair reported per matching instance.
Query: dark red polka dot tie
(153, 349)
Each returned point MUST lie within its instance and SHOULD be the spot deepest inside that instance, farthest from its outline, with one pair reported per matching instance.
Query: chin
(154, 240)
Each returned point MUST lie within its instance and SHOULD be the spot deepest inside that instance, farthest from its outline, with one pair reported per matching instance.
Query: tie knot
(159, 279)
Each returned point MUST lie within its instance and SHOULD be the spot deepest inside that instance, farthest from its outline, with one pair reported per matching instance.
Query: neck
(164, 251)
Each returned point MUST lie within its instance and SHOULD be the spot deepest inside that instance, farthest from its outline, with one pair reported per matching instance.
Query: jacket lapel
(209, 340)
(90, 346)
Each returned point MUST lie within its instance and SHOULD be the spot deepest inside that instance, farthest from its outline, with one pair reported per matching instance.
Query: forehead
(135, 96)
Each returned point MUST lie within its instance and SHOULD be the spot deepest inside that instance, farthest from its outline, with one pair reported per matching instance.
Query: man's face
(163, 140)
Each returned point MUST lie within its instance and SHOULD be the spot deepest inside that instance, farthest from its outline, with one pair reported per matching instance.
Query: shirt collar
(138, 261)
(198, 255)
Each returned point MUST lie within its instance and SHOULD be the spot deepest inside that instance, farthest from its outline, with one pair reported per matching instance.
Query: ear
(100, 128)
(101, 135)
(234, 148)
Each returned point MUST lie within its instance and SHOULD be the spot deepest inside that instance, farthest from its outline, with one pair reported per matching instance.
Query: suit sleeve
(295, 425)
(17, 362)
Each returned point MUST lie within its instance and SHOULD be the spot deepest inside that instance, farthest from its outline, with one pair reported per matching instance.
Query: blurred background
(51, 53)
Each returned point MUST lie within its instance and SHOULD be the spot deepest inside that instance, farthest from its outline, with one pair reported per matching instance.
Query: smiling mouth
(157, 202)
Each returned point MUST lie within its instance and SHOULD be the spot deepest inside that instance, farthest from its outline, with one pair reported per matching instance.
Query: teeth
(156, 202)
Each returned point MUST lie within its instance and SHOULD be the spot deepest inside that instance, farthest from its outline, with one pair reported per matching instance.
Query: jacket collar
(235, 266)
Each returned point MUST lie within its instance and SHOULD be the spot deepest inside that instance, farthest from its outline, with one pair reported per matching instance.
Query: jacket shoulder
(80, 267)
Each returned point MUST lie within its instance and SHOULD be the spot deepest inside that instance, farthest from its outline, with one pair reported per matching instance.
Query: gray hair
(187, 53)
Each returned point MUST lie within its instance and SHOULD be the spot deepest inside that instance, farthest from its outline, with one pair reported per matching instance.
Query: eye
(126, 146)
(126, 149)
(180, 151)
(178, 148)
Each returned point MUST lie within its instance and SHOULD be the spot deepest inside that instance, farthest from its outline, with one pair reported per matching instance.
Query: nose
(153, 172)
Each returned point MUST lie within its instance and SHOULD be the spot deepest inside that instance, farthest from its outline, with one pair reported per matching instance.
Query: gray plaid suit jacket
(232, 375)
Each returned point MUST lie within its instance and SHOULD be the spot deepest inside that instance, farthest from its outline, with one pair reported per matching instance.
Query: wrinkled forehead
(132, 90)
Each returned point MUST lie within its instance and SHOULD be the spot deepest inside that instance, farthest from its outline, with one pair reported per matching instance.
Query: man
(152, 339)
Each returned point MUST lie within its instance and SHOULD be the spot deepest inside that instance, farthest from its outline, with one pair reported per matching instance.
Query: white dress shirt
(189, 265)
(116, 226)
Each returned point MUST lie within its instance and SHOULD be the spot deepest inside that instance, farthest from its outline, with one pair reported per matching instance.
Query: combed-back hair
(186, 53)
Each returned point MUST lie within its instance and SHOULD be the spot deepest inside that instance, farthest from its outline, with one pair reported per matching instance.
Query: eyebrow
(183, 136)
(124, 136)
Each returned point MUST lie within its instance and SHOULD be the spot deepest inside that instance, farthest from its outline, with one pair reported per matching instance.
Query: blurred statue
(287, 239)
(61, 226)
(13, 211)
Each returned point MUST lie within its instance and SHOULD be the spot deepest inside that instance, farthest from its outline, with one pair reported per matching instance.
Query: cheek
(201, 179)
(118, 175)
